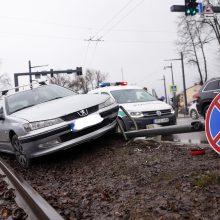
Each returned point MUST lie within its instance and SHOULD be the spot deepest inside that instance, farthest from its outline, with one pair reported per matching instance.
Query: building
(190, 92)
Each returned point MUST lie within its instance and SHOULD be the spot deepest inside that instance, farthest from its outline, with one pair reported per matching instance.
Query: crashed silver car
(50, 118)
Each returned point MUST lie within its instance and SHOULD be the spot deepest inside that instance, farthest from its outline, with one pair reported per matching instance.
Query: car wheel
(205, 111)
(120, 124)
(193, 114)
(21, 157)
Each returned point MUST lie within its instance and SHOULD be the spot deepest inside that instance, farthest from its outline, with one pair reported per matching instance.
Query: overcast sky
(138, 35)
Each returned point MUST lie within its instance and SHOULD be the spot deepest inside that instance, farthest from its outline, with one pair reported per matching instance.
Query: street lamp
(165, 90)
(165, 86)
(184, 81)
(171, 67)
(174, 93)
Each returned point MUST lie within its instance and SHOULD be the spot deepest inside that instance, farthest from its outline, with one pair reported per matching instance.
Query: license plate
(161, 120)
(87, 121)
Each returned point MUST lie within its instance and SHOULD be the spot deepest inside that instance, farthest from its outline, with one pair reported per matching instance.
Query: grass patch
(207, 179)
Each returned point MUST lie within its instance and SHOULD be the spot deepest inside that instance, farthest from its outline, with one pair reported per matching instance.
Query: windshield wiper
(22, 108)
(54, 99)
(51, 99)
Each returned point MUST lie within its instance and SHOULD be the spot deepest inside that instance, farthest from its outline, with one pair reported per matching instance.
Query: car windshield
(26, 99)
(132, 95)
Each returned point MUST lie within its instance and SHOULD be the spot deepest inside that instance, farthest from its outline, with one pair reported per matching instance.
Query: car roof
(113, 88)
(213, 79)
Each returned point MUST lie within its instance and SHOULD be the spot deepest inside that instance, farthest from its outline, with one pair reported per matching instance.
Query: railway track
(18, 200)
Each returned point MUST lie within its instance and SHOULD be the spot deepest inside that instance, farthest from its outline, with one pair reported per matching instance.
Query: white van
(141, 106)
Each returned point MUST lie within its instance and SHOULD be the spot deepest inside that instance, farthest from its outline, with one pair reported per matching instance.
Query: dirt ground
(113, 179)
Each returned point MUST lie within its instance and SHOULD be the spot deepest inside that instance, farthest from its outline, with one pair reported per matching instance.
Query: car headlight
(172, 110)
(108, 102)
(41, 124)
(135, 114)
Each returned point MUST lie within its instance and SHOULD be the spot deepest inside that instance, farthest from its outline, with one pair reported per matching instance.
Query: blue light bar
(104, 84)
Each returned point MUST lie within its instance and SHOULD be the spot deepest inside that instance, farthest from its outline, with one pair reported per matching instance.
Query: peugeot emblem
(83, 112)
(158, 113)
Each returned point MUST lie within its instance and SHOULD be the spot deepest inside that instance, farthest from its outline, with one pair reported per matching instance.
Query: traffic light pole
(78, 71)
(181, 8)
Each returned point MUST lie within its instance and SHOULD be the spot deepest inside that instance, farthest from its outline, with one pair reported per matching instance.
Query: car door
(4, 139)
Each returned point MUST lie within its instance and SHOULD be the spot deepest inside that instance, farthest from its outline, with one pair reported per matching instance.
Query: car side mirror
(2, 117)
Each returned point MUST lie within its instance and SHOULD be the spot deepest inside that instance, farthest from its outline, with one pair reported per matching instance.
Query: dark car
(206, 94)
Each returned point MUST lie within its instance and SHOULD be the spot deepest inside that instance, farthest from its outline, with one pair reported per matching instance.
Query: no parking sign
(212, 124)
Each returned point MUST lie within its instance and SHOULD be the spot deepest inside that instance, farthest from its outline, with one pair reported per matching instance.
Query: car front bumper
(63, 137)
(144, 121)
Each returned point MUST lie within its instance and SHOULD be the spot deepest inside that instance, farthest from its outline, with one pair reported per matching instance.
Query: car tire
(21, 157)
(205, 111)
(194, 114)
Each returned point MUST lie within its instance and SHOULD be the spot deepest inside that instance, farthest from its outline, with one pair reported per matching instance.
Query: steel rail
(39, 207)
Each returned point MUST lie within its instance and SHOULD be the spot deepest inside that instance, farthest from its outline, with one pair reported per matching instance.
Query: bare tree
(99, 77)
(4, 80)
(81, 84)
(60, 79)
(89, 81)
(193, 36)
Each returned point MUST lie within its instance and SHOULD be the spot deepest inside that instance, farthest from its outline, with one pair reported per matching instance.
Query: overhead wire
(118, 13)
(83, 28)
(113, 17)
(126, 15)
(107, 23)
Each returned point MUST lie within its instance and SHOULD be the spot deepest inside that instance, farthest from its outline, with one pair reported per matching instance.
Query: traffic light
(78, 71)
(51, 72)
(191, 7)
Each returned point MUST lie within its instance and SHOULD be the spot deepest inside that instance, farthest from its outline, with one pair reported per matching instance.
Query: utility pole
(30, 77)
(184, 81)
(165, 87)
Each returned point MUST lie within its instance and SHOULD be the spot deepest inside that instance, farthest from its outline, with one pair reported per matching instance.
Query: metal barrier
(195, 126)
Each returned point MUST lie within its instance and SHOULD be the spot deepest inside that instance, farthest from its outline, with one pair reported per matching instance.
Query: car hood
(59, 107)
(146, 106)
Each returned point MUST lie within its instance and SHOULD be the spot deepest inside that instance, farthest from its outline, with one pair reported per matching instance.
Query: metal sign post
(173, 88)
(212, 124)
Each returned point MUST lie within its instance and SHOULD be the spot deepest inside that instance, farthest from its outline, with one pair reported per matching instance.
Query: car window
(1, 103)
(132, 95)
(35, 96)
(104, 93)
(213, 85)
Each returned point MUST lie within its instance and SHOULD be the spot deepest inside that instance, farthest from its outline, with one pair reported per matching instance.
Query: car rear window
(132, 95)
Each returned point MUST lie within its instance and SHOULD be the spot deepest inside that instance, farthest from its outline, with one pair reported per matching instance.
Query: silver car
(50, 118)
